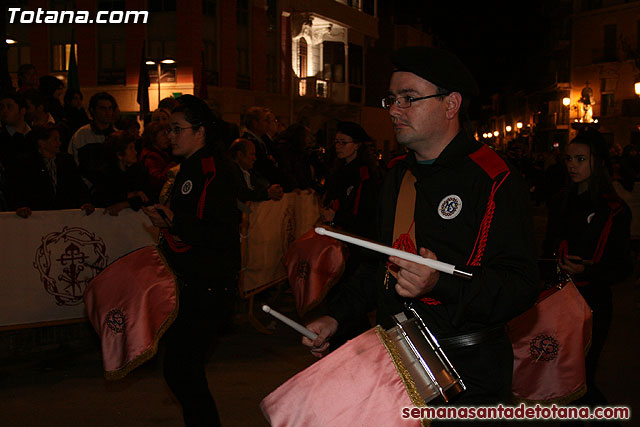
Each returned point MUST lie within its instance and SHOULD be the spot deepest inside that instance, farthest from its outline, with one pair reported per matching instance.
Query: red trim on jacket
(208, 168)
(493, 165)
(395, 161)
(615, 208)
(364, 175)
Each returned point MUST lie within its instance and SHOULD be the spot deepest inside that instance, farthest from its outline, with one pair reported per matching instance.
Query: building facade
(304, 59)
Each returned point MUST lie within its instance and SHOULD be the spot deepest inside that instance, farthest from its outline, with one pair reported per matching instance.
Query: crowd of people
(191, 173)
(102, 160)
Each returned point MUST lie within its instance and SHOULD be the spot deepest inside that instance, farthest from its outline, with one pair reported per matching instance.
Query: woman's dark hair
(601, 168)
(198, 114)
(354, 131)
(69, 94)
(365, 154)
(118, 141)
(49, 84)
(151, 132)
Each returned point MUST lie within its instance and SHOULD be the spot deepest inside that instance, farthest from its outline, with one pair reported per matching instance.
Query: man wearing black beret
(467, 208)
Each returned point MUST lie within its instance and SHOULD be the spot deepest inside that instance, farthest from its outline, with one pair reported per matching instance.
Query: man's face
(30, 78)
(30, 114)
(103, 114)
(10, 113)
(50, 147)
(424, 120)
(248, 158)
(273, 124)
(261, 126)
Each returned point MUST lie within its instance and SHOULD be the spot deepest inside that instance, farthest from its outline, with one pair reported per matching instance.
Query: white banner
(270, 228)
(48, 259)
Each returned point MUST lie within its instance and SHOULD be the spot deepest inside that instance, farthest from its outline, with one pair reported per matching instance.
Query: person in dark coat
(469, 208)
(251, 186)
(589, 232)
(352, 187)
(292, 155)
(121, 182)
(47, 179)
(200, 239)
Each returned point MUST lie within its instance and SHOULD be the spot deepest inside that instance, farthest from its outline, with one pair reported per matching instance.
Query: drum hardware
(418, 350)
(422, 356)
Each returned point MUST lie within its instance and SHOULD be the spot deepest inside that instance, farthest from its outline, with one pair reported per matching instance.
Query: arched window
(302, 57)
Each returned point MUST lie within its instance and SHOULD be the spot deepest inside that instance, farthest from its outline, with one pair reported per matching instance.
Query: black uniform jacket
(487, 230)
(594, 230)
(353, 194)
(206, 221)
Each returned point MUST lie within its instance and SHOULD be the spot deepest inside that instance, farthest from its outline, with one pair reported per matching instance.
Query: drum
(130, 304)
(430, 369)
(550, 341)
(367, 381)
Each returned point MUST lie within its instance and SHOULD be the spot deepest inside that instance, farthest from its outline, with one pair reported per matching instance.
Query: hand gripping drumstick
(432, 263)
(295, 325)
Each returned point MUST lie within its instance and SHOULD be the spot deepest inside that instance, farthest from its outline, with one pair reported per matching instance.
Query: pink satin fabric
(314, 264)
(566, 318)
(130, 304)
(356, 385)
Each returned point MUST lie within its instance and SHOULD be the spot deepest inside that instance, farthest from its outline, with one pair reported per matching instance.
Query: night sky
(500, 42)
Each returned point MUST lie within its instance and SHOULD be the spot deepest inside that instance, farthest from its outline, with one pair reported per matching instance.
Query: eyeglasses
(405, 101)
(177, 129)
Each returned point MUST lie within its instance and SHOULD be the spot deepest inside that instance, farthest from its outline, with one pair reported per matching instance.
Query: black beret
(438, 66)
(353, 130)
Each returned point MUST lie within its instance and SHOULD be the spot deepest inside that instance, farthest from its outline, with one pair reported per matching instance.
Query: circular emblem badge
(187, 187)
(67, 260)
(450, 207)
(544, 348)
(116, 320)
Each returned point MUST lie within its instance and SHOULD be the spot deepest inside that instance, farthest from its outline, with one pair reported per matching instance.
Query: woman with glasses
(349, 203)
(351, 188)
(200, 241)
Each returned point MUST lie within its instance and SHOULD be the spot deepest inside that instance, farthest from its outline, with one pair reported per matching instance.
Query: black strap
(472, 338)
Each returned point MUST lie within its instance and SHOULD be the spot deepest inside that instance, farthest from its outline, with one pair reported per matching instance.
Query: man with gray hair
(256, 125)
(251, 186)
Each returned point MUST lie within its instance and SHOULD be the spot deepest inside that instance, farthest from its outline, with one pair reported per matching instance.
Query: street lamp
(159, 64)
(508, 128)
(519, 125)
(636, 86)
(9, 40)
(566, 101)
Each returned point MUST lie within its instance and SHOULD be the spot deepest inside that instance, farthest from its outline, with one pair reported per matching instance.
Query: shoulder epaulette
(489, 161)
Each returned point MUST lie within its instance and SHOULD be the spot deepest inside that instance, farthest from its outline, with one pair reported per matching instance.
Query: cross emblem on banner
(72, 270)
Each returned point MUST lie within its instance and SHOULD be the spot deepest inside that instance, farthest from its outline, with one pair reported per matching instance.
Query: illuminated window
(60, 56)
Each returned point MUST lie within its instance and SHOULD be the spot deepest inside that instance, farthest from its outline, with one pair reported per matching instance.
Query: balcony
(313, 87)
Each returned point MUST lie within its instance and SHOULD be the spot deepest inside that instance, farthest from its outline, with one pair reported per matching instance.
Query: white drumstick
(295, 325)
(432, 263)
